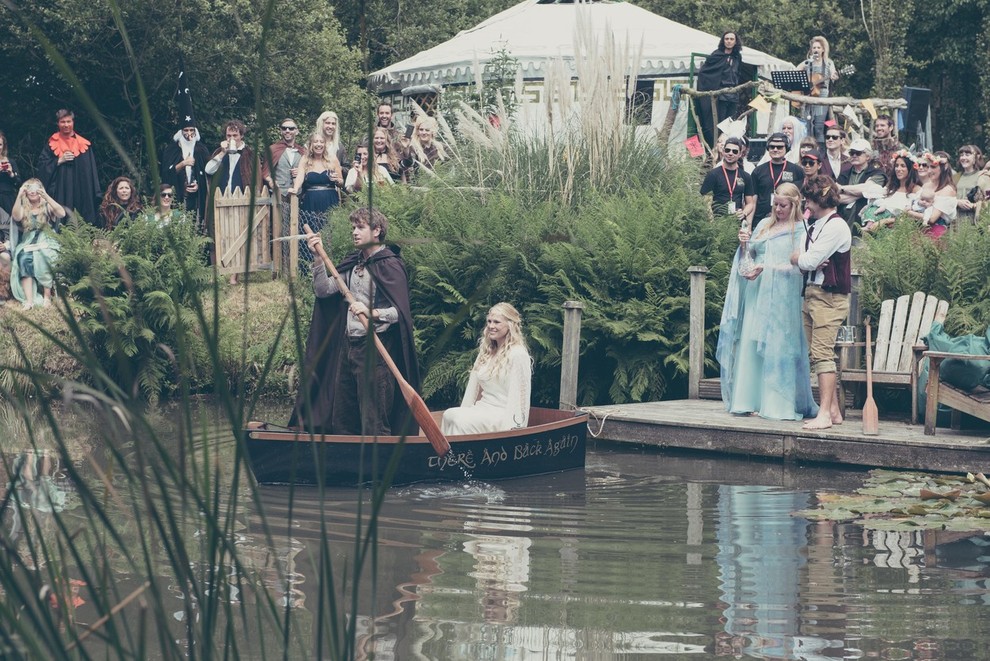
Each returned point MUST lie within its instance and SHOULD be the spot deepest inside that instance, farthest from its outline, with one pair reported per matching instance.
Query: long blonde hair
(824, 42)
(26, 205)
(328, 158)
(333, 144)
(791, 192)
(434, 126)
(492, 357)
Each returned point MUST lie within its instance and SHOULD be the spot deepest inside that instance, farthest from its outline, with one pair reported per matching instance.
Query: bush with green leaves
(956, 268)
(133, 291)
(624, 255)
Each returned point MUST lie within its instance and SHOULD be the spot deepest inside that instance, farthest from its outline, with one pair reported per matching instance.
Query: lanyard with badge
(731, 206)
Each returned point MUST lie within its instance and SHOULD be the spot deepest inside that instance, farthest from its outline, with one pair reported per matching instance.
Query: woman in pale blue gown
(762, 348)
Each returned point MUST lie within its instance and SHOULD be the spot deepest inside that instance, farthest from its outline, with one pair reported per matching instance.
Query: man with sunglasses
(731, 187)
(285, 155)
(861, 171)
(834, 160)
(778, 170)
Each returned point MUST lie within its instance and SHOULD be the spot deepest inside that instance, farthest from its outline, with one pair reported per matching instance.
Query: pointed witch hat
(184, 105)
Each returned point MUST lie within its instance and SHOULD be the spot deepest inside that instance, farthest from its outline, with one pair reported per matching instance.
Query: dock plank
(704, 425)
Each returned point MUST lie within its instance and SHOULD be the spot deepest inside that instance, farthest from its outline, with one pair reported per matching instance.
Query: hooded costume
(179, 177)
(180, 149)
(327, 344)
(720, 70)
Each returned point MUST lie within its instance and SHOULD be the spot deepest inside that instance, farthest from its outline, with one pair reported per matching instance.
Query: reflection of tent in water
(535, 32)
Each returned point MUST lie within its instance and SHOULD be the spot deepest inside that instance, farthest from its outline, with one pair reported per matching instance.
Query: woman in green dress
(31, 268)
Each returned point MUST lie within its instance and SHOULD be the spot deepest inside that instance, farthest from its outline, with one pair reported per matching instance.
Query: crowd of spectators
(318, 169)
(881, 181)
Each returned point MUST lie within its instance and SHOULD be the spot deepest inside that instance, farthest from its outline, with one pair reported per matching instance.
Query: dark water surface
(643, 554)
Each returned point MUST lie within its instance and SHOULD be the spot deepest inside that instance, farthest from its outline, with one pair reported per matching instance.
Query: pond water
(643, 554)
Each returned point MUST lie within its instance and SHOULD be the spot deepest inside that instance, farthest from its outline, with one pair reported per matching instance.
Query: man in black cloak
(723, 68)
(339, 393)
(184, 159)
(67, 168)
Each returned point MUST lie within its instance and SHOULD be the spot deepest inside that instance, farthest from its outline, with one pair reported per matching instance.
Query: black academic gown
(75, 185)
(177, 179)
(327, 344)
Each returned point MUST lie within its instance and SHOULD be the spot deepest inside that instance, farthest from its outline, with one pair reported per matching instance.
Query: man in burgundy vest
(826, 262)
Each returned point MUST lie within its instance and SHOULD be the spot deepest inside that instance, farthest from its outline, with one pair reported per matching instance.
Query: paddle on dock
(871, 416)
(416, 404)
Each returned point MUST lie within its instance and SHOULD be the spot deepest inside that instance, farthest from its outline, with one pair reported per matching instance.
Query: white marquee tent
(535, 31)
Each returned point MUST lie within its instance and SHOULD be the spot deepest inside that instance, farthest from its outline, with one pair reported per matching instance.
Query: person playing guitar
(821, 73)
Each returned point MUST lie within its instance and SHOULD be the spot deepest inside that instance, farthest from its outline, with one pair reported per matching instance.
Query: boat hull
(554, 441)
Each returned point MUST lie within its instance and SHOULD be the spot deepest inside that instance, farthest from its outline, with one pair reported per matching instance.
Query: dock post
(696, 337)
(570, 352)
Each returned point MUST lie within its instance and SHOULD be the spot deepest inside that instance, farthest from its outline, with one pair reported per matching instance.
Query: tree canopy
(261, 60)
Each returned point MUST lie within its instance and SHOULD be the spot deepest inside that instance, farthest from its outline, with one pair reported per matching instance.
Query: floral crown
(934, 159)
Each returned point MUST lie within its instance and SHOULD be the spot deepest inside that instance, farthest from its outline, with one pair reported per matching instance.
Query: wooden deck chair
(975, 403)
(898, 348)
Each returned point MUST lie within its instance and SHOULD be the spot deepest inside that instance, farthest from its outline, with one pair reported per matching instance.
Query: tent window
(427, 101)
(639, 106)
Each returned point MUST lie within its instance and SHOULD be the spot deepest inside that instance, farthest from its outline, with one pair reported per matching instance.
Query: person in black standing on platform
(730, 186)
(720, 70)
(778, 170)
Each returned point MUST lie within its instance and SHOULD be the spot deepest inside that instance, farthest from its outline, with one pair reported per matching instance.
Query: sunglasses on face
(288, 128)
(853, 152)
(730, 151)
(833, 137)
(775, 147)
(923, 166)
(167, 195)
(808, 162)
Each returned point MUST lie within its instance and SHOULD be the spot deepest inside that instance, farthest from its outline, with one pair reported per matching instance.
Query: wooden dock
(704, 425)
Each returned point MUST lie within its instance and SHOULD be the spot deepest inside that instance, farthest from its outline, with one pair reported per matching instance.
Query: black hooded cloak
(327, 344)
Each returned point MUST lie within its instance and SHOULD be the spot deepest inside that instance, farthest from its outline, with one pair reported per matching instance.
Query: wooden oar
(416, 404)
(871, 416)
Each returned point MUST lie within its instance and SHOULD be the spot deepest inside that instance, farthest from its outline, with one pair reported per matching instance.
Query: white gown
(493, 402)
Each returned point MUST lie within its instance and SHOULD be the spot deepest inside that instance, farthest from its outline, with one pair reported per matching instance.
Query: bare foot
(818, 423)
(836, 419)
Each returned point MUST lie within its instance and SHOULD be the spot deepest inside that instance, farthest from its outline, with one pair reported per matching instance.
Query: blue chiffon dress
(762, 349)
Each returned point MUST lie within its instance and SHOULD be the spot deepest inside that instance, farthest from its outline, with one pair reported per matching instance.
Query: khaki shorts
(823, 312)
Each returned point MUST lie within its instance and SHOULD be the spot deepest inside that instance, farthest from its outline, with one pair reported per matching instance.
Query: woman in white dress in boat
(497, 395)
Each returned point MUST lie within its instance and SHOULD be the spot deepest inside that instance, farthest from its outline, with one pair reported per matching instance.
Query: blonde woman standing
(424, 150)
(762, 348)
(498, 390)
(318, 181)
(31, 267)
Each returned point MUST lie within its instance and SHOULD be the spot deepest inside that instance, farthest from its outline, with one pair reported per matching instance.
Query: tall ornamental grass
(101, 537)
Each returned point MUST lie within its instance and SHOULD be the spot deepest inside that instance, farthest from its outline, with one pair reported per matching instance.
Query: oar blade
(871, 418)
(429, 426)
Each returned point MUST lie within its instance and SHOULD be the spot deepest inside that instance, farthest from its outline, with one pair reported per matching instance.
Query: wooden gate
(231, 215)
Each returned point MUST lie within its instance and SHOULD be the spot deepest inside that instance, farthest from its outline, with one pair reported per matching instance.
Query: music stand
(795, 80)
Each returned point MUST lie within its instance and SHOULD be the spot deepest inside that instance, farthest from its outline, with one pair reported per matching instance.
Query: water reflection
(642, 554)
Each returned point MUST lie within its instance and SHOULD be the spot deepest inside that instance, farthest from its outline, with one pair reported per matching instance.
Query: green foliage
(623, 254)
(956, 268)
(133, 291)
(302, 67)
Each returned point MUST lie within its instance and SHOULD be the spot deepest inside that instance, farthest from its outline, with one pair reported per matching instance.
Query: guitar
(818, 81)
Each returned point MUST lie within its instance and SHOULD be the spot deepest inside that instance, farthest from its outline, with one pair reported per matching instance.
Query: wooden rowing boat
(553, 441)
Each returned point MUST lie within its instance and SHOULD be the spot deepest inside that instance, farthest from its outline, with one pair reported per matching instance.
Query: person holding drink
(761, 346)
